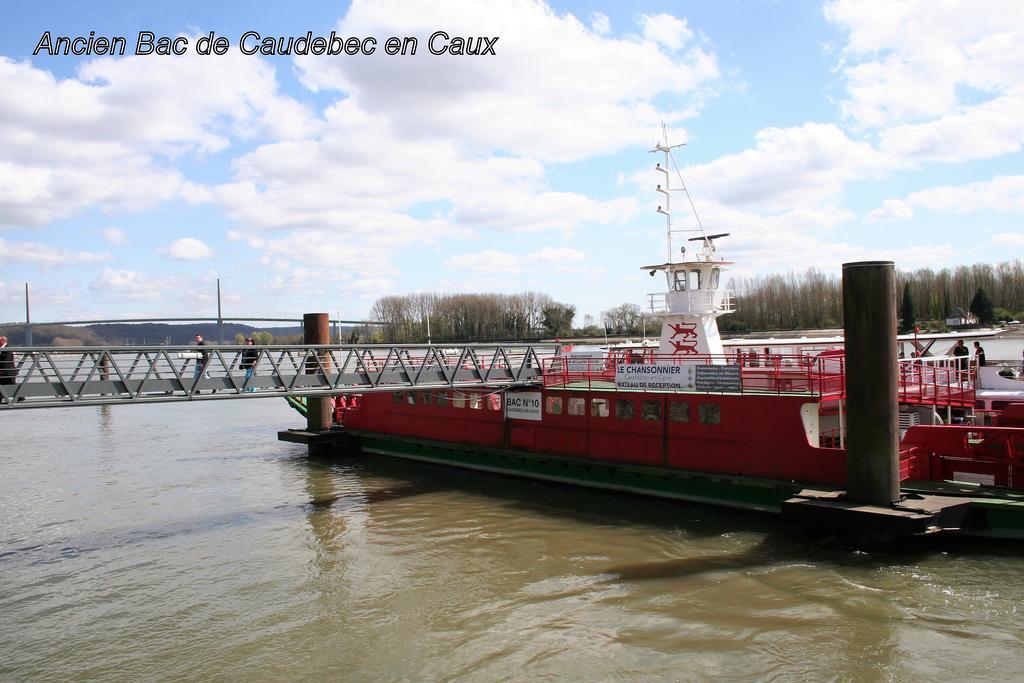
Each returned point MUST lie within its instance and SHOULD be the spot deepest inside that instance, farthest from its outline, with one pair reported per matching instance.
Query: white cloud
(600, 23)
(122, 286)
(1009, 239)
(595, 94)
(801, 238)
(495, 262)
(482, 282)
(141, 98)
(536, 212)
(789, 167)
(369, 254)
(13, 293)
(188, 249)
(1002, 193)
(990, 129)
(665, 29)
(114, 236)
(334, 286)
(119, 124)
(486, 261)
(127, 285)
(358, 190)
(118, 179)
(890, 210)
(942, 80)
(905, 61)
(558, 256)
(45, 256)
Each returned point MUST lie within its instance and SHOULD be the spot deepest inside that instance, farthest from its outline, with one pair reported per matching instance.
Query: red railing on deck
(929, 382)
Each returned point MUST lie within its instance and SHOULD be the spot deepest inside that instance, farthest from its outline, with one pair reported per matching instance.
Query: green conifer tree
(981, 306)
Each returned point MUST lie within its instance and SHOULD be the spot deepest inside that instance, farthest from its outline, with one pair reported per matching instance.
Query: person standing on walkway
(202, 361)
(8, 371)
(249, 357)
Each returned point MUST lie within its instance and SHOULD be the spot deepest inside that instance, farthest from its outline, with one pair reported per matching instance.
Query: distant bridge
(220, 320)
(104, 375)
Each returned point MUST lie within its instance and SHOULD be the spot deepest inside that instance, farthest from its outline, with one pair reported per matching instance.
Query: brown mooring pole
(872, 441)
(316, 330)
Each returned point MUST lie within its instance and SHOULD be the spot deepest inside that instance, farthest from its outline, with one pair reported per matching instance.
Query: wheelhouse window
(554, 405)
(679, 280)
(577, 406)
(650, 411)
(694, 281)
(709, 413)
(716, 274)
(599, 407)
(624, 409)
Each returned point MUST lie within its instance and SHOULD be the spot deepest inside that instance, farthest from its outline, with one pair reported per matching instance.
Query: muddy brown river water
(179, 542)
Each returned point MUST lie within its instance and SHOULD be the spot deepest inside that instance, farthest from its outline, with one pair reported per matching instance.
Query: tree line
(814, 299)
(470, 317)
(790, 301)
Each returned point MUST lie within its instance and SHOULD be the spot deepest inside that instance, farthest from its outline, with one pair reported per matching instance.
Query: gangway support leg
(316, 330)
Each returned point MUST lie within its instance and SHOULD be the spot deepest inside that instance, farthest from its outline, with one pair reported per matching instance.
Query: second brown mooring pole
(319, 410)
(872, 369)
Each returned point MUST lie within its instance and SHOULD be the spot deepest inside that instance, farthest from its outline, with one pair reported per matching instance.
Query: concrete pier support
(319, 411)
(872, 441)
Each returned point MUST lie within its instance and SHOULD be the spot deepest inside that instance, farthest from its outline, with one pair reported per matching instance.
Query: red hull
(748, 435)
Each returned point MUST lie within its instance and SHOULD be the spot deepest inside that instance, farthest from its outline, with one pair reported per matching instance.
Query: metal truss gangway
(81, 376)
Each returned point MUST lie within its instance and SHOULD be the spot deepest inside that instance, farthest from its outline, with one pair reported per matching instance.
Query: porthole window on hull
(624, 409)
(554, 405)
(709, 413)
(650, 411)
(577, 406)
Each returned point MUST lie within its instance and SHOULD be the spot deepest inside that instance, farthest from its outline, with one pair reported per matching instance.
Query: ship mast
(666, 166)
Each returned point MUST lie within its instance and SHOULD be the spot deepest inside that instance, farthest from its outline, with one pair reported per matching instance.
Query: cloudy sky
(816, 134)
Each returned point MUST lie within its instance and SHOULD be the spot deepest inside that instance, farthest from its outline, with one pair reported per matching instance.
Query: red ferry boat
(687, 420)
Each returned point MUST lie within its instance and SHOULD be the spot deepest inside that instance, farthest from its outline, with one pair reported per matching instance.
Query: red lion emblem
(685, 330)
(685, 348)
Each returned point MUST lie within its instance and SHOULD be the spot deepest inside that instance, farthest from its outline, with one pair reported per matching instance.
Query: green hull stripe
(1004, 516)
(736, 492)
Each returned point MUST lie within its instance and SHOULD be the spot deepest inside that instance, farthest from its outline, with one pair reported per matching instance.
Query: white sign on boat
(523, 405)
(656, 376)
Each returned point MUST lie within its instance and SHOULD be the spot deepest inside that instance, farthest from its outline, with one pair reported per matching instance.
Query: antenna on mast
(666, 189)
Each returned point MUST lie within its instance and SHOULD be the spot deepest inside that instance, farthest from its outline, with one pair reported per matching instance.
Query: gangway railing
(76, 376)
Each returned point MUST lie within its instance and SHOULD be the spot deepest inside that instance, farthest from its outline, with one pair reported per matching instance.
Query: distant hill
(144, 333)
